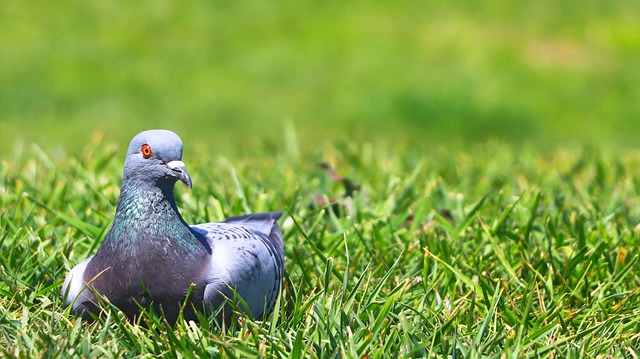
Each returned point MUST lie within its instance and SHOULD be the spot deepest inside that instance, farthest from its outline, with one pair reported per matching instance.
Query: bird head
(155, 156)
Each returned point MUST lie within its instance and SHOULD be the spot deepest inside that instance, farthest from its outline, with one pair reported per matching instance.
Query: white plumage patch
(73, 283)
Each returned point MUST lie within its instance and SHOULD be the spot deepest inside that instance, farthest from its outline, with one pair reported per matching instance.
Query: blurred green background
(241, 74)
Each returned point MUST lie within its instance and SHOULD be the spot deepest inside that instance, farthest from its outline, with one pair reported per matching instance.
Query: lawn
(487, 201)
(455, 254)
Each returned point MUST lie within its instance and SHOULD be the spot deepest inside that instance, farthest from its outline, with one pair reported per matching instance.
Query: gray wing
(247, 261)
(264, 223)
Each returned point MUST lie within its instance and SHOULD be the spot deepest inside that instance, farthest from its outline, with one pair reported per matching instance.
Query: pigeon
(151, 258)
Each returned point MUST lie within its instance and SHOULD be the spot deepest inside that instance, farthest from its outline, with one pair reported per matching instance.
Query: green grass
(501, 253)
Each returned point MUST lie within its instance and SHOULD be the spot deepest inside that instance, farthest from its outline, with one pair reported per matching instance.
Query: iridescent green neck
(146, 214)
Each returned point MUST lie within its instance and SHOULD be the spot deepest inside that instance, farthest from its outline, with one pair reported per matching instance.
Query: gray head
(155, 156)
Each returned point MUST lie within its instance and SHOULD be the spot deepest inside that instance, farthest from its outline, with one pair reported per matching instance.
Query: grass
(503, 253)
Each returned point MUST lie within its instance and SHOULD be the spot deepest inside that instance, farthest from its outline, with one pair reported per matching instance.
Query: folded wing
(247, 263)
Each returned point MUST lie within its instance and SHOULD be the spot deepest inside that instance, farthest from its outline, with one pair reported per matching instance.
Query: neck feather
(147, 213)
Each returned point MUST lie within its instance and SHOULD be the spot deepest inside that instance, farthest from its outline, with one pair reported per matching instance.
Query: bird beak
(180, 171)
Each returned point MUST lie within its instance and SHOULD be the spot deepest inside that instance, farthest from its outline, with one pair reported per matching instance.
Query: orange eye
(146, 151)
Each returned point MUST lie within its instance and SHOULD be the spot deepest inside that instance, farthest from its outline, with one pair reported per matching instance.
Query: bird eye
(146, 151)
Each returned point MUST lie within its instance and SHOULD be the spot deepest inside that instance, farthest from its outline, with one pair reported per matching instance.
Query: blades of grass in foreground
(315, 249)
(470, 216)
(86, 228)
(378, 288)
(497, 250)
(465, 279)
(484, 327)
